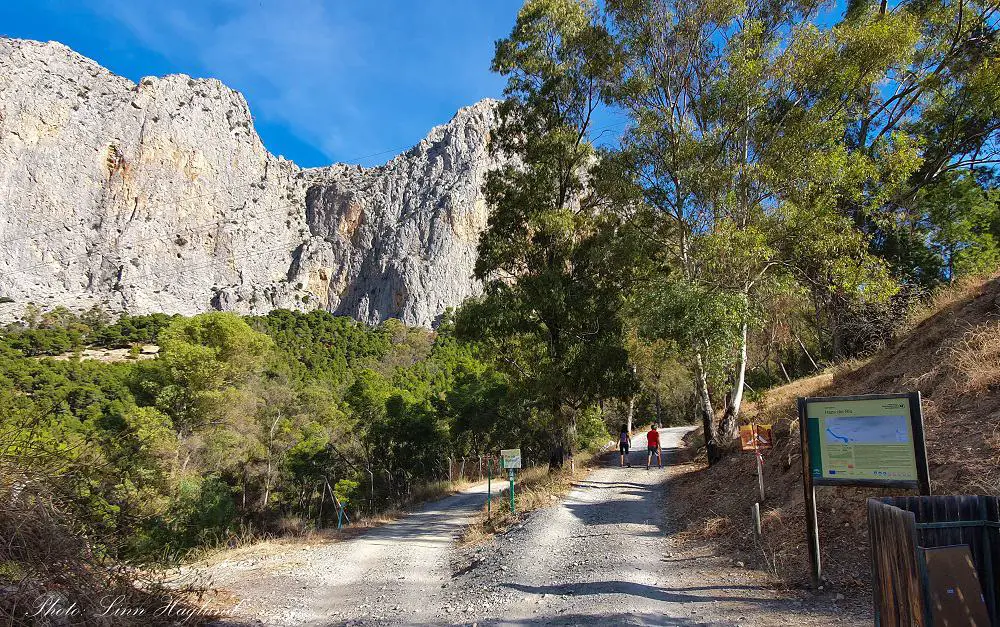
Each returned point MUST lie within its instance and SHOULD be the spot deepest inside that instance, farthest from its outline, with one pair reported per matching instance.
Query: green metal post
(511, 471)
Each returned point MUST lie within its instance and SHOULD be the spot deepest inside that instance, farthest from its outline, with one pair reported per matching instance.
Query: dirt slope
(951, 355)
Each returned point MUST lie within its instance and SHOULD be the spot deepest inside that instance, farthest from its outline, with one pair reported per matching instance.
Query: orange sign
(756, 437)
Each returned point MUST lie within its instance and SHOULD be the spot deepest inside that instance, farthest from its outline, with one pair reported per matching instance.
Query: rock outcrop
(159, 196)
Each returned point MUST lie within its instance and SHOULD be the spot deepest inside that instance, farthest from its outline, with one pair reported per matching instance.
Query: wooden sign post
(757, 438)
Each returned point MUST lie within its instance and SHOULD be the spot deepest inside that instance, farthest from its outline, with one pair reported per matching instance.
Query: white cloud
(349, 79)
(296, 58)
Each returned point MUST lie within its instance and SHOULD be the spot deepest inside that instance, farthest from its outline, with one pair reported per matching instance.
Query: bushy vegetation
(239, 423)
(788, 181)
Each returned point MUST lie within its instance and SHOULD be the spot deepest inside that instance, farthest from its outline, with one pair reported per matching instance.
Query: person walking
(653, 446)
(624, 441)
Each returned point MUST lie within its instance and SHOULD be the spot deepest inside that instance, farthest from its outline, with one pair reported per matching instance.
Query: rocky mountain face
(159, 196)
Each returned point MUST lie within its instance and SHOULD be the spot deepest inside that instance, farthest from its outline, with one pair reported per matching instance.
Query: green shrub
(591, 432)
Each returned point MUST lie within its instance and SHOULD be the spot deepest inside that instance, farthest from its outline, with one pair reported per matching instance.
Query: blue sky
(327, 80)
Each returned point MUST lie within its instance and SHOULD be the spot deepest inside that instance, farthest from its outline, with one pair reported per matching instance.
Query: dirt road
(601, 556)
(393, 573)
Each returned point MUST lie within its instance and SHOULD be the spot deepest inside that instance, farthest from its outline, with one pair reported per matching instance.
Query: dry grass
(46, 562)
(975, 359)
(435, 491)
(963, 290)
(950, 353)
(716, 526)
(534, 488)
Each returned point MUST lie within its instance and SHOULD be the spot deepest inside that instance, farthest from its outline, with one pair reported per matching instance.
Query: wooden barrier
(895, 574)
(900, 526)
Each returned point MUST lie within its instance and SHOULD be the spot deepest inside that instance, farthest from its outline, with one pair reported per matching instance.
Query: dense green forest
(238, 424)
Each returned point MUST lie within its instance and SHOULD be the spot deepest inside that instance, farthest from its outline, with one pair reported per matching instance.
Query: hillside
(158, 196)
(951, 354)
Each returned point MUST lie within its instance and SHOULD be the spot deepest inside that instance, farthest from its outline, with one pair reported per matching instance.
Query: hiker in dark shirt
(624, 440)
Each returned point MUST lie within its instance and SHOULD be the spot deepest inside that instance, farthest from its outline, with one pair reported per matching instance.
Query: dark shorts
(653, 449)
(623, 447)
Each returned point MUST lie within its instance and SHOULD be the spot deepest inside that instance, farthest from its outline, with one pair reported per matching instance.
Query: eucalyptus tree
(738, 113)
(553, 288)
(943, 93)
(943, 97)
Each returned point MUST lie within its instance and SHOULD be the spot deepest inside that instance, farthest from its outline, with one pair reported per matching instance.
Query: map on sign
(868, 430)
(861, 439)
(510, 458)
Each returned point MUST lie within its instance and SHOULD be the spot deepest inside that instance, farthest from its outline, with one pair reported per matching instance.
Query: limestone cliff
(159, 196)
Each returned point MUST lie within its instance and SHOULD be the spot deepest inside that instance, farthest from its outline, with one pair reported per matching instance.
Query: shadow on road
(613, 513)
(642, 619)
(668, 595)
(629, 620)
(432, 524)
(637, 457)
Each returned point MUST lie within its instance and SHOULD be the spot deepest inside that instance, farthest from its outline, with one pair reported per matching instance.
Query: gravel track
(602, 556)
(390, 574)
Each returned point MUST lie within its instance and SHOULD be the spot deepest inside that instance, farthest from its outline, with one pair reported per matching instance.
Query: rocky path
(391, 574)
(602, 556)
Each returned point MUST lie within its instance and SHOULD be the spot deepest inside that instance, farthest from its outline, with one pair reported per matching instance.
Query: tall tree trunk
(705, 409)
(836, 339)
(560, 437)
(727, 426)
(571, 441)
(270, 447)
(631, 409)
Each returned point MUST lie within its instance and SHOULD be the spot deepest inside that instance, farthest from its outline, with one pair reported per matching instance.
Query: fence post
(372, 502)
(755, 516)
(511, 472)
(760, 469)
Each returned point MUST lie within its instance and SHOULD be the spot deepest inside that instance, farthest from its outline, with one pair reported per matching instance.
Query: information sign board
(872, 440)
(510, 458)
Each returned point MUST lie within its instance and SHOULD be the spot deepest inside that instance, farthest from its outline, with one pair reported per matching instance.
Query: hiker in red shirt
(653, 446)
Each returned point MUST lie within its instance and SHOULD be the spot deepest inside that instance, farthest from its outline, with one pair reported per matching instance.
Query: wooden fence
(472, 468)
(900, 526)
(892, 533)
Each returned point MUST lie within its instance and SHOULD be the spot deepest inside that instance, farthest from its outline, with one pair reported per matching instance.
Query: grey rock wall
(159, 196)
